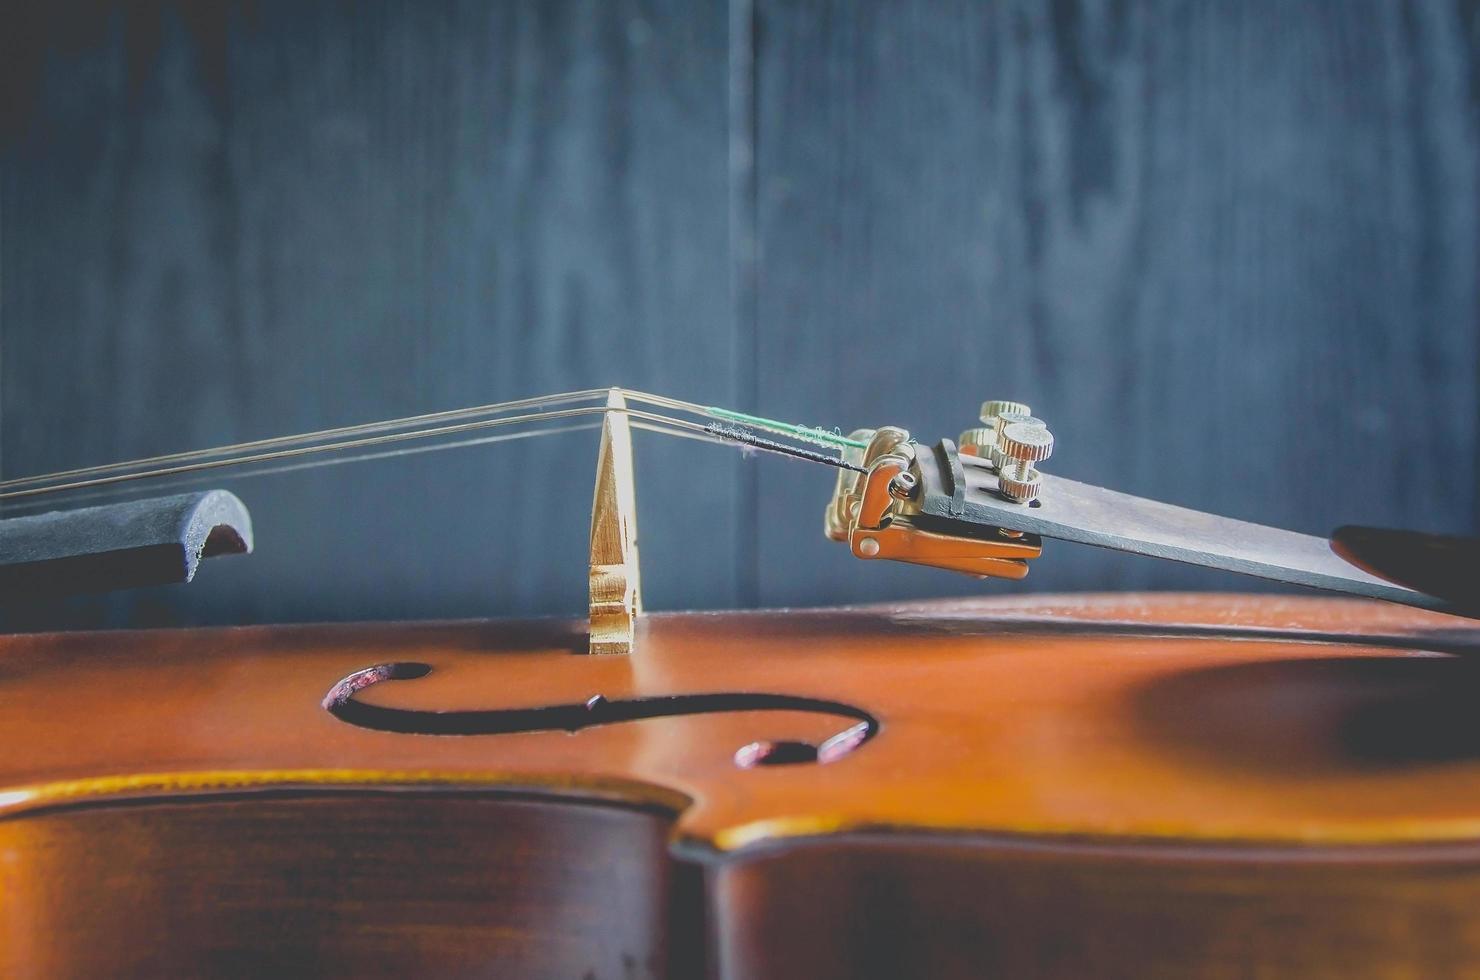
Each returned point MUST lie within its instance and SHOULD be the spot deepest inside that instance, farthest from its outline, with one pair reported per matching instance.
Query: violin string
(740, 434)
(294, 451)
(730, 435)
(246, 452)
(734, 435)
(114, 492)
(368, 428)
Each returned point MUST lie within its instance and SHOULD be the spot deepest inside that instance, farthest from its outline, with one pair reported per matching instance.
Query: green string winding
(806, 433)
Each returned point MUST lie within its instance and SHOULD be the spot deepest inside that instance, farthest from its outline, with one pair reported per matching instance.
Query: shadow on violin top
(1318, 716)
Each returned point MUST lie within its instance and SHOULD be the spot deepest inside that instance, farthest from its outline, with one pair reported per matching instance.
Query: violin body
(1119, 785)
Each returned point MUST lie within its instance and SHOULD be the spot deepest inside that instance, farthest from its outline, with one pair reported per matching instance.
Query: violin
(1126, 784)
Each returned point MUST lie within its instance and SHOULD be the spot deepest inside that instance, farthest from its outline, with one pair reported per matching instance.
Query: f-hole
(597, 710)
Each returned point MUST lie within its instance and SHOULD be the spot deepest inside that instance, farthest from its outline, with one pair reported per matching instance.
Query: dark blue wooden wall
(1230, 251)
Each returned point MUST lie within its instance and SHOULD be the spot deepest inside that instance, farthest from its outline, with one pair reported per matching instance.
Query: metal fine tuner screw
(977, 442)
(1022, 443)
(1003, 421)
(996, 407)
(984, 440)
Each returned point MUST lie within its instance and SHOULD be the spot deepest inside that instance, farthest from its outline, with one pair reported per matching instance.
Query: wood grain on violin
(1183, 773)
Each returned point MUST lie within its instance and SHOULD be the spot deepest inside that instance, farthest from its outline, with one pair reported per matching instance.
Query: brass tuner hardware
(984, 440)
(995, 407)
(902, 541)
(844, 504)
(878, 513)
(977, 442)
(1020, 444)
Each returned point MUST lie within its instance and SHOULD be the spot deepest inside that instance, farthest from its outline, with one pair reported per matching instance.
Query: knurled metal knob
(994, 452)
(976, 442)
(1026, 442)
(991, 412)
(1021, 444)
(994, 408)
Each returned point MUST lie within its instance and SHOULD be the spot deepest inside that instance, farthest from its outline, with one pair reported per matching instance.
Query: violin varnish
(615, 587)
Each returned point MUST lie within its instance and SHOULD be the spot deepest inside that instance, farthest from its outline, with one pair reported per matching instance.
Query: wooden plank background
(1230, 251)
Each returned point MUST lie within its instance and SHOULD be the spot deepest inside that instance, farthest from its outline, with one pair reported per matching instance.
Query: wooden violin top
(1183, 717)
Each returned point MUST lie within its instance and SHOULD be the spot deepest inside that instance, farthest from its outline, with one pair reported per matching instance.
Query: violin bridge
(616, 579)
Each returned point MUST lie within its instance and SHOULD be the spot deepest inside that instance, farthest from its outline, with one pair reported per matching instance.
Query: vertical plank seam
(1469, 39)
(2, 317)
(2, 320)
(743, 276)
